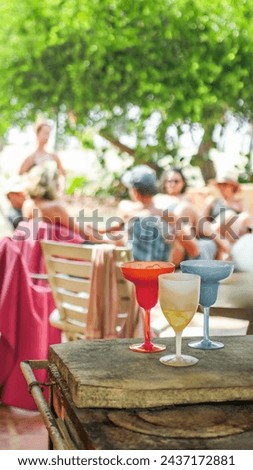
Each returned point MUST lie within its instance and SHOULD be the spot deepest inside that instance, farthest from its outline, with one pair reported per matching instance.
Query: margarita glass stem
(147, 334)
(178, 345)
(206, 323)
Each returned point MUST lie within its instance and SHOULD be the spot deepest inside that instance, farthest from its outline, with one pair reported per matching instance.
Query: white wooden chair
(70, 275)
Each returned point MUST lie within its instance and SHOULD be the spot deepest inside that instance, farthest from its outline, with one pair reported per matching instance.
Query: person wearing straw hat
(230, 191)
(15, 191)
(227, 207)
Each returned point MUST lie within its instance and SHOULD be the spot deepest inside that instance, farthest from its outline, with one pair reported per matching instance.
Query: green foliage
(113, 63)
(247, 175)
(75, 183)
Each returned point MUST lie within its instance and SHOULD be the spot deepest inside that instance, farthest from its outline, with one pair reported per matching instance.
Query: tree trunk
(208, 170)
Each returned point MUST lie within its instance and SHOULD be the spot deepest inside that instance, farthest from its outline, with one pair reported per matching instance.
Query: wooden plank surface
(201, 426)
(106, 374)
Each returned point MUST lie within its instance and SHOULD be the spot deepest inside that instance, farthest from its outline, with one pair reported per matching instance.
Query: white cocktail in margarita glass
(179, 299)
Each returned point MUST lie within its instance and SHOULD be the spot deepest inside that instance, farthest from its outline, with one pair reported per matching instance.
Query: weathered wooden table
(108, 397)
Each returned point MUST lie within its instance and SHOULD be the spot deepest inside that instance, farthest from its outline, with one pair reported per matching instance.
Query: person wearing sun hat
(230, 196)
(15, 191)
(228, 206)
(228, 178)
(230, 190)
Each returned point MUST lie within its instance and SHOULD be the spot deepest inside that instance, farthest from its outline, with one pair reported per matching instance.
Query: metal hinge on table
(41, 385)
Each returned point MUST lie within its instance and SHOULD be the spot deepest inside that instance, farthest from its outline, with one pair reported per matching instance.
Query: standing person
(42, 130)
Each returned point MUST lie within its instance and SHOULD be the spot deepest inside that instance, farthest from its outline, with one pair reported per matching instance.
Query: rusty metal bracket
(35, 388)
(36, 383)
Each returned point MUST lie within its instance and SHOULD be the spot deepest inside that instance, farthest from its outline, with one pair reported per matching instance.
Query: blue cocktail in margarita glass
(211, 272)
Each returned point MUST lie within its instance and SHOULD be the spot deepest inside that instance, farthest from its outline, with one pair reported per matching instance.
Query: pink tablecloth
(25, 307)
(25, 330)
(28, 235)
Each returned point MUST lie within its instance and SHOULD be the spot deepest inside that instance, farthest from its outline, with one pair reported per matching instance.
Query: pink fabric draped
(24, 327)
(111, 309)
(103, 308)
(25, 332)
(103, 298)
(28, 235)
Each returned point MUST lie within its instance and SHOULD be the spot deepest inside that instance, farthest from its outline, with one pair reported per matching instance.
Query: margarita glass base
(206, 344)
(151, 348)
(182, 361)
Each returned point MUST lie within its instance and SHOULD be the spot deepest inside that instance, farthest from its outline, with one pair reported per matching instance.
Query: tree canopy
(117, 62)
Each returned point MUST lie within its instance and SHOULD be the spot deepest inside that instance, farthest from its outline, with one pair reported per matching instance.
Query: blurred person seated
(228, 211)
(145, 221)
(142, 186)
(175, 186)
(188, 215)
(149, 230)
(15, 191)
(44, 203)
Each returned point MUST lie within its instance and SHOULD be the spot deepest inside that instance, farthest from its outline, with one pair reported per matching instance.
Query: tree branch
(117, 143)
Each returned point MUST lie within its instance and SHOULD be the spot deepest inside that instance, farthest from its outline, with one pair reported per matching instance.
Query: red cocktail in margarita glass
(144, 275)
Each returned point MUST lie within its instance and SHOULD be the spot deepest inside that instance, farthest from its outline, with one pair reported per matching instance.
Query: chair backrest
(70, 270)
